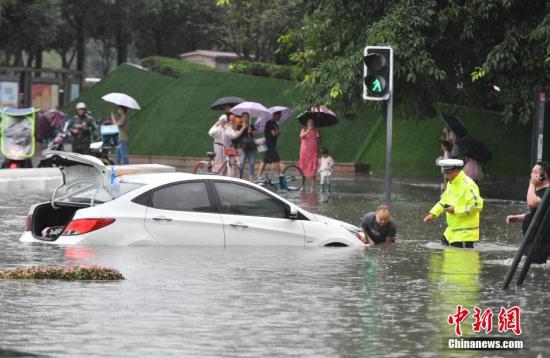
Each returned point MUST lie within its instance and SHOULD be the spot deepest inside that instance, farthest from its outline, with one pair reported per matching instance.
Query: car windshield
(83, 193)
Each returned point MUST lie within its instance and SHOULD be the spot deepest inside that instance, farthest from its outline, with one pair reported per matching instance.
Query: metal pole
(538, 129)
(389, 131)
(540, 120)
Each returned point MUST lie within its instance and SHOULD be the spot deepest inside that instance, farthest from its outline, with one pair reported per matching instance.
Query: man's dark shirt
(376, 232)
(270, 139)
(531, 213)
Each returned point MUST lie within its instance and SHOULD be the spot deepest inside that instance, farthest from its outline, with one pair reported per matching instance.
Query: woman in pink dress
(309, 152)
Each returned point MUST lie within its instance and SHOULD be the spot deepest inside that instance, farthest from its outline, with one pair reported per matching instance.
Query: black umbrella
(322, 117)
(474, 149)
(223, 102)
(454, 124)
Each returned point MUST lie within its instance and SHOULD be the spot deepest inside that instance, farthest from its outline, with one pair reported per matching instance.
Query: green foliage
(250, 28)
(71, 273)
(444, 52)
(282, 72)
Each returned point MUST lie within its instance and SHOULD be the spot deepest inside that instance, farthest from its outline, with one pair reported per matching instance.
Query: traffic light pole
(389, 147)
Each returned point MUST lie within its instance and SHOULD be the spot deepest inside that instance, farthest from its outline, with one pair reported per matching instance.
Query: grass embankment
(416, 144)
(176, 117)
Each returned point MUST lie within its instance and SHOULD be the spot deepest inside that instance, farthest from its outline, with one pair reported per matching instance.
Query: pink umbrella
(261, 122)
(55, 117)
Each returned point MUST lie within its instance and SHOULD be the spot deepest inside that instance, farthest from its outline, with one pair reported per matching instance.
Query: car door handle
(161, 218)
(237, 225)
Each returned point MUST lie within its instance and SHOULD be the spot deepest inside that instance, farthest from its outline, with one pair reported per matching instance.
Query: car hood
(79, 168)
(327, 220)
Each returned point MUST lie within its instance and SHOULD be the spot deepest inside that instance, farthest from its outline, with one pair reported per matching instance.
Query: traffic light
(377, 73)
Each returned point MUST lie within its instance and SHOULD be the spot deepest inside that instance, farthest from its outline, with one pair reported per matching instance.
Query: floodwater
(252, 302)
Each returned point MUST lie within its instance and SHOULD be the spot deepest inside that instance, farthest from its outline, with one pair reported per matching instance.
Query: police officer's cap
(81, 105)
(448, 164)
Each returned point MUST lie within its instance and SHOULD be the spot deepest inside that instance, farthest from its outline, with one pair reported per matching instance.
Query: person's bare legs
(277, 167)
(313, 183)
(261, 170)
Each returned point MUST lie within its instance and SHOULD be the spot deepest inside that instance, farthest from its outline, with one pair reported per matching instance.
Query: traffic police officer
(461, 203)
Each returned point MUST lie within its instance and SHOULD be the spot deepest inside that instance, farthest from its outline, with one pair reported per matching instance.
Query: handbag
(248, 144)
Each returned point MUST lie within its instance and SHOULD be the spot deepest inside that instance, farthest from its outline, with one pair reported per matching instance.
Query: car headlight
(355, 231)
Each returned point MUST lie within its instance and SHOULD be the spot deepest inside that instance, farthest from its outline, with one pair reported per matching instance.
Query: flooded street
(390, 301)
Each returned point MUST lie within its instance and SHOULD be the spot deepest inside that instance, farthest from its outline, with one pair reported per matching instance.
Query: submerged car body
(95, 207)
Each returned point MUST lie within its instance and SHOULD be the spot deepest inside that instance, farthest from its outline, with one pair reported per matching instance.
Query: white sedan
(95, 207)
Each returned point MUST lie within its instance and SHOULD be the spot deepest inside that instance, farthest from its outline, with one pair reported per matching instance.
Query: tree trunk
(30, 59)
(121, 48)
(122, 37)
(158, 42)
(39, 57)
(81, 48)
(18, 58)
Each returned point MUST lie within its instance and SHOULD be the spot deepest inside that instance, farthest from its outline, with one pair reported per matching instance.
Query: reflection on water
(181, 301)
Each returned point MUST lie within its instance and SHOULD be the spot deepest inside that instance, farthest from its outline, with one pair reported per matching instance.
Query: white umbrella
(255, 109)
(286, 112)
(122, 100)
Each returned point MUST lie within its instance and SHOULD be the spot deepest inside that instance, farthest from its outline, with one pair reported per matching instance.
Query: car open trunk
(86, 182)
(45, 216)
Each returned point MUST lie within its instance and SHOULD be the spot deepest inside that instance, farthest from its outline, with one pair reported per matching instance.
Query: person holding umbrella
(309, 152)
(271, 133)
(121, 120)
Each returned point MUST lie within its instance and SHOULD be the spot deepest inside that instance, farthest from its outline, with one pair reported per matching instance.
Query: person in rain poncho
(222, 133)
(461, 203)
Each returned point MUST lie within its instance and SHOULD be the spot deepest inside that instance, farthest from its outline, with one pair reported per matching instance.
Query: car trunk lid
(79, 169)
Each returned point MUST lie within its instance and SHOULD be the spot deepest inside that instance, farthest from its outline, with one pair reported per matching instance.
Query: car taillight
(28, 221)
(83, 226)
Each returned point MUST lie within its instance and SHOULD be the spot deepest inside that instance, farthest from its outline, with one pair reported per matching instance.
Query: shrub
(95, 273)
(283, 72)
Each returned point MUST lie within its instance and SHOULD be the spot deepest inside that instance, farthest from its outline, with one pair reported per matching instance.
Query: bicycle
(228, 166)
(293, 179)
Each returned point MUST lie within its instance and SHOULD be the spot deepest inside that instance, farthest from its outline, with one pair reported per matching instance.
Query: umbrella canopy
(122, 100)
(223, 102)
(454, 124)
(322, 117)
(55, 117)
(474, 149)
(255, 109)
(285, 114)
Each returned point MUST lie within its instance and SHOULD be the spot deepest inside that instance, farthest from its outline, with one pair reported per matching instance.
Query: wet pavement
(249, 302)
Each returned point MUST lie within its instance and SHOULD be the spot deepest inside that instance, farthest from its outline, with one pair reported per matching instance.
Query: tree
(437, 45)
(251, 28)
(22, 31)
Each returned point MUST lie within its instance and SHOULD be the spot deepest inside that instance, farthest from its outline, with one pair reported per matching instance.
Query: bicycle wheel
(294, 178)
(202, 167)
(231, 169)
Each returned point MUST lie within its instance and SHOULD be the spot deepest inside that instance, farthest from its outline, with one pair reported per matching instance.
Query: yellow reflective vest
(463, 194)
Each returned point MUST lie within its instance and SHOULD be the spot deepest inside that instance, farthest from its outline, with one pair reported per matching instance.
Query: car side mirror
(293, 214)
